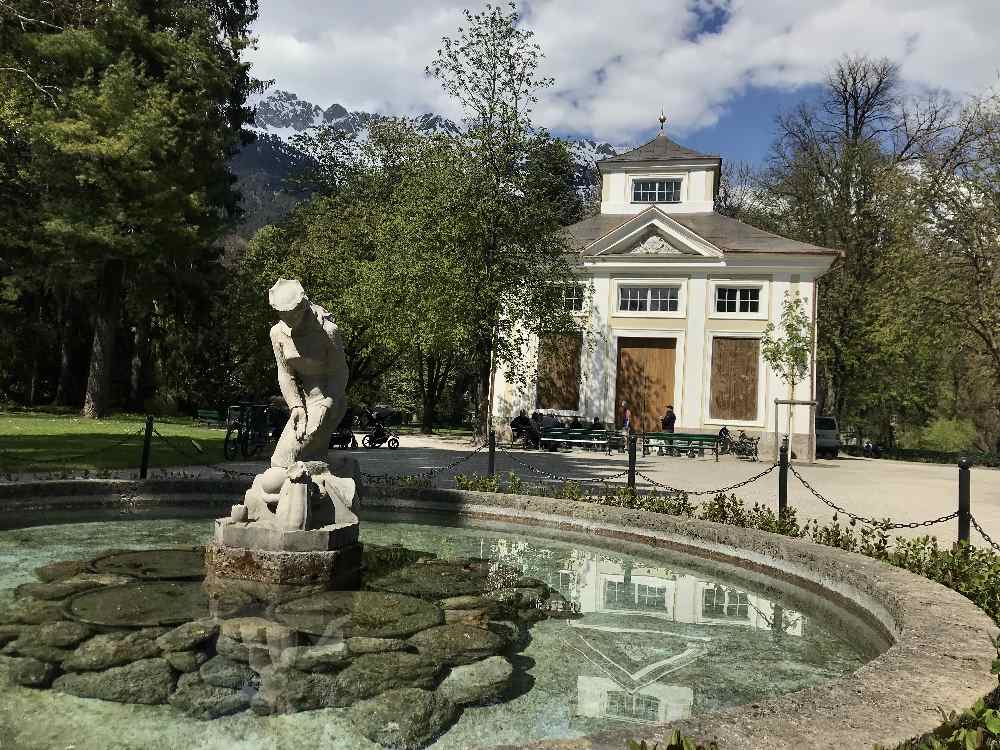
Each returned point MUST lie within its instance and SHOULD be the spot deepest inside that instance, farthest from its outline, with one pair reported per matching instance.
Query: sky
(720, 69)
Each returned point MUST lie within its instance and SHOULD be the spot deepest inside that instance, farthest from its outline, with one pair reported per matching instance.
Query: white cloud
(617, 63)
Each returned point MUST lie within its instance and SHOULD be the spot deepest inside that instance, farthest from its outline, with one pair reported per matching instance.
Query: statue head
(289, 300)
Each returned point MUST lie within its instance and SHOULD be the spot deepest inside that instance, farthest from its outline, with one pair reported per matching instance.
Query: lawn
(44, 441)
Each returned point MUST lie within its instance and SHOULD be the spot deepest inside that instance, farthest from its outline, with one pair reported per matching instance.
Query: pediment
(654, 234)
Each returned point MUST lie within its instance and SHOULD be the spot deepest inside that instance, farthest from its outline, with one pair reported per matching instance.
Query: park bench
(584, 437)
(211, 418)
(680, 442)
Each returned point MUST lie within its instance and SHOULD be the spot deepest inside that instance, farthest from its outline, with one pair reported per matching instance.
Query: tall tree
(517, 252)
(131, 110)
(840, 176)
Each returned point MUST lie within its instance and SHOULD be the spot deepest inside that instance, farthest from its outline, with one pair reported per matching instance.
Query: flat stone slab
(148, 603)
(435, 579)
(349, 614)
(166, 564)
(340, 568)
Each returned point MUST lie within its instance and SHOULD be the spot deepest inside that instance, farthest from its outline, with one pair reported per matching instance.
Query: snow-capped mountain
(263, 167)
(283, 114)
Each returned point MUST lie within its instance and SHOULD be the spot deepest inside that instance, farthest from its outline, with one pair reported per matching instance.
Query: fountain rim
(940, 653)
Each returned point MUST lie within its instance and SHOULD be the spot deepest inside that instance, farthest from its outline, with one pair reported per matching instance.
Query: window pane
(656, 191)
(663, 299)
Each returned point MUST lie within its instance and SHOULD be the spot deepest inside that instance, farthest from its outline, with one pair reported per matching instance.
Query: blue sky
(722, 69)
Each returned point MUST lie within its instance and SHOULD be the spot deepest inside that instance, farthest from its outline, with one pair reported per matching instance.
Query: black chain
(556, 477)
(176, 448)
(983, 534)
(870, 521)
(430, 474)
(744, 483)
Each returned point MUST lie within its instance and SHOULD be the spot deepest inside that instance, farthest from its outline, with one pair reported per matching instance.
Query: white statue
(299, 492)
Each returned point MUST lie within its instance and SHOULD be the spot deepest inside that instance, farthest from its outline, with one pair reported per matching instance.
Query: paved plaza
(902, 491)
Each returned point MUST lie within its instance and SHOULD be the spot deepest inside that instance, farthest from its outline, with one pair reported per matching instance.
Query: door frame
(638, 333)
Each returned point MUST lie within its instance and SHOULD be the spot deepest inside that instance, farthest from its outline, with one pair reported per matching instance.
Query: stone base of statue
(295, 526)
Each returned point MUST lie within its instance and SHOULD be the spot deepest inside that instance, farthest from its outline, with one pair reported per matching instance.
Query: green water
(657, 640)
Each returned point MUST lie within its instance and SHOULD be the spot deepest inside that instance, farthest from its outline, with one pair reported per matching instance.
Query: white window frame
(763, 305)
(681, 177)
(762, 373)
(679, 284)
(678, 180)
(581, 296)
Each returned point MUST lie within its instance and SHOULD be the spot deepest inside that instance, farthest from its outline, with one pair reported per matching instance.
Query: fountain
(452, 619)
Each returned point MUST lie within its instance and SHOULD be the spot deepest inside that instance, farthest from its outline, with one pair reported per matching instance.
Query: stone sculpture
(301, 503)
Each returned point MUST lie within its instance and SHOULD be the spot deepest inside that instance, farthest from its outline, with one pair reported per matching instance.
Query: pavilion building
(679, 296)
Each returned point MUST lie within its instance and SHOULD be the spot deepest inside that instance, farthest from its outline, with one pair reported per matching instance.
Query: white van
(827, 437)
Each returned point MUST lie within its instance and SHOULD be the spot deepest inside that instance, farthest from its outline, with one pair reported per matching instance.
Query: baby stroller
(343, 436)
(378, 433)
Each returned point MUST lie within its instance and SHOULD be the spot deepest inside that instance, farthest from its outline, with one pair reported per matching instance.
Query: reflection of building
(606, 586)
(602, 697)
(629, 640)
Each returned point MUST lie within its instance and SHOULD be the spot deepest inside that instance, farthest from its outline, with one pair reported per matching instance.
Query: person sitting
(523, 428)
(597, 424)
(575, 423)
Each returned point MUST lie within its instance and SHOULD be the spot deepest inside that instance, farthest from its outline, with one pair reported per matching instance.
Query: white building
(680, 296)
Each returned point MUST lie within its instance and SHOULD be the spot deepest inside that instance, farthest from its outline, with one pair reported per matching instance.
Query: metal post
(631, 460)
(964, 505)
(493, 452)
(783, 478)
(146, 440)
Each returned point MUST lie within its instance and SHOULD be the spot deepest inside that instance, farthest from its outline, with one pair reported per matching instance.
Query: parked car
(827, 437)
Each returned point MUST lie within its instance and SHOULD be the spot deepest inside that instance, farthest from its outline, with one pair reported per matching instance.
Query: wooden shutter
(734, 379)
(559, 371)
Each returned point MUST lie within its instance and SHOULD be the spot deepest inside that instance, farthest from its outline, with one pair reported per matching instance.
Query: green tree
(841, 176)
(130, 111)
(516, 253)
(788, 352)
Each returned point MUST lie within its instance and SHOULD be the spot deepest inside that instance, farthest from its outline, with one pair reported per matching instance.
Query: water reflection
(639, 623)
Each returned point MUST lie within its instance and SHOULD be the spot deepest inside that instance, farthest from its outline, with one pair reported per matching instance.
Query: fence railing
(963, 512)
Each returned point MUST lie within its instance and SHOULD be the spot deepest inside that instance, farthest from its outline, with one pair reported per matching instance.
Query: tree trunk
(102, 351)
(140, 373)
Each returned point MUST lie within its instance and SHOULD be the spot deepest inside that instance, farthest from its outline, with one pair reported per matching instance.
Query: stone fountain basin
(935, 644)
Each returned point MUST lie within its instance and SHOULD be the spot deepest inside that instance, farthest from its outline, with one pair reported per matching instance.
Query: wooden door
(646, 380)
(734, 379)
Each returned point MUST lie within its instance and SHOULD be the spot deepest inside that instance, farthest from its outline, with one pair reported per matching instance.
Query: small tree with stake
(788, 351)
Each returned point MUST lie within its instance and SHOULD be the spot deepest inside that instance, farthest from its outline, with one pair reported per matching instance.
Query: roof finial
(663, 119)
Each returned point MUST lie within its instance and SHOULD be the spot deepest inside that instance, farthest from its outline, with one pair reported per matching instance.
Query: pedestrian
(626, 418)
(668, 420)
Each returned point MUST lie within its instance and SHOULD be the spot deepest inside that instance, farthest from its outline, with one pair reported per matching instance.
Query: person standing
(668, 420)
(626, 418)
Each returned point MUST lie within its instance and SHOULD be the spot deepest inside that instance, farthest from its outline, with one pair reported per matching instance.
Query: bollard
(631, 461)
(783, 478)
(964, 504)
(146, 440)
(493, 452)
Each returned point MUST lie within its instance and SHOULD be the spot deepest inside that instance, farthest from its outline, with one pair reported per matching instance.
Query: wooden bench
(689, 443)
(584, 437)
(211, 418)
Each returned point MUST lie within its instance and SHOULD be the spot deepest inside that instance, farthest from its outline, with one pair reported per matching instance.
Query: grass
(55, 442)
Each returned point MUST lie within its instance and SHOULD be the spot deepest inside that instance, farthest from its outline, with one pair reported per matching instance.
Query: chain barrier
(541, 472)
(737, 485)
(983, 534)
(75, 457)
(869, 521)
(426, 475)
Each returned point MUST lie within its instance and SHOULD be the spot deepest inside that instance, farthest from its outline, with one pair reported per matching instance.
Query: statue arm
(287, 382)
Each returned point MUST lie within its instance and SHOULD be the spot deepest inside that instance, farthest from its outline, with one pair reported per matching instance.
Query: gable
(653, 233)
